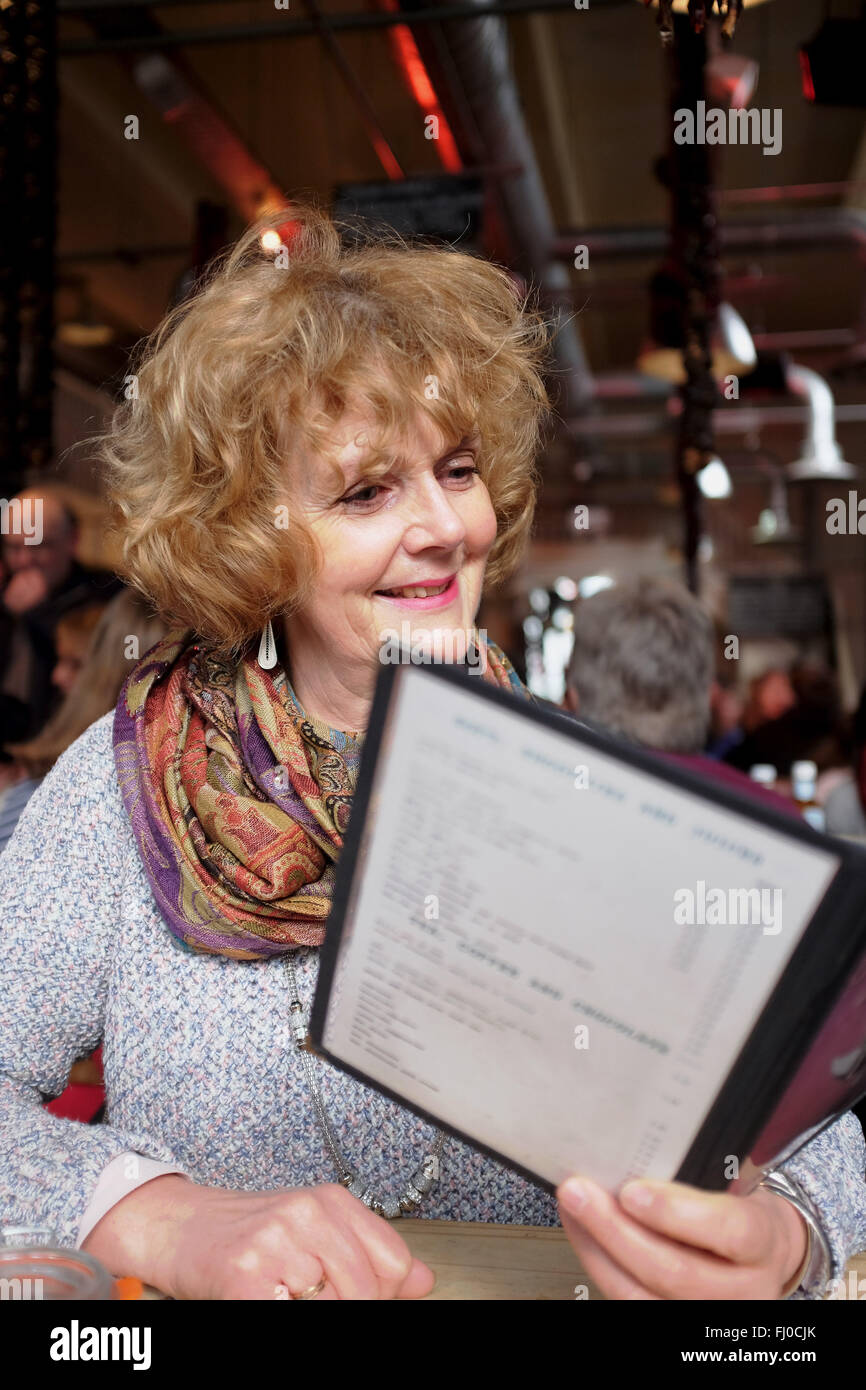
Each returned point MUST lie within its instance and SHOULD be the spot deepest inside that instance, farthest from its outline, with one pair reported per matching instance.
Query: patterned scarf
(238, 801)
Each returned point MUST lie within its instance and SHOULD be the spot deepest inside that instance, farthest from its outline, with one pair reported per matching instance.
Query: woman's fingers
(715, 1221)
(387, 1251)
(663, 1266)
(418, 1282)
(325, 1226)
(612, 1279)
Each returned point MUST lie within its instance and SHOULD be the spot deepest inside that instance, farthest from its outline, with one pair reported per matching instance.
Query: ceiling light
(83, 327)
(565, 588)
(733, 351)
(682, 6)
(774, 525)
(593, 584)
(821, 456)
(714, 480)
(271, 240)
(730, 79)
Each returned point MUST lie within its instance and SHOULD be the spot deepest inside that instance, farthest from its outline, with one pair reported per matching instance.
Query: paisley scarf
(238, 801)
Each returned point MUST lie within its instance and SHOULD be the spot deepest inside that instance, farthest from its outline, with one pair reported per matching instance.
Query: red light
(806, 74)
(418, 81)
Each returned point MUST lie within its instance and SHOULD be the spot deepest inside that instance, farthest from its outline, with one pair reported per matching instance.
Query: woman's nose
(434, 520)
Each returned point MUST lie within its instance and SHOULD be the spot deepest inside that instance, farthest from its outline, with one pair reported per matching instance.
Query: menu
(569, 952)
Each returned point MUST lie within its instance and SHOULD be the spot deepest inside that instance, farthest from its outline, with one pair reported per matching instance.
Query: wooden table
(483, 1260)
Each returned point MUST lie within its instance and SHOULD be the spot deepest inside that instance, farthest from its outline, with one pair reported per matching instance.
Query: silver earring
(267, 648)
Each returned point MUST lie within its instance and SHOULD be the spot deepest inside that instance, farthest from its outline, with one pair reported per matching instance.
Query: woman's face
(428, 520)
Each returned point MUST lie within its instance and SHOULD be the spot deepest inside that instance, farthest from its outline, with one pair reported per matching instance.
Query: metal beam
(304, 28)
(741, 420)
(835, 225)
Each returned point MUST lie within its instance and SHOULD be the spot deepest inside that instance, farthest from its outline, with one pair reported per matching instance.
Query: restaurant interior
(707, 295)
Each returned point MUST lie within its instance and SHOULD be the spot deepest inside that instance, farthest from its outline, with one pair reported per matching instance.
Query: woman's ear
(569, 700)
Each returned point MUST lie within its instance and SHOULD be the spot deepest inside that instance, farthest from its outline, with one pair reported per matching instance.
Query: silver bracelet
(820, 1265)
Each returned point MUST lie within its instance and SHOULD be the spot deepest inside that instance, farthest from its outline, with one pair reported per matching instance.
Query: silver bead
(299, 1023)
(430, 1167)
(388, 1210)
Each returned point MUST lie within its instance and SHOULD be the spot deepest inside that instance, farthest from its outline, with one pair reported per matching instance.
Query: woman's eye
(362, 499)
(359, 496)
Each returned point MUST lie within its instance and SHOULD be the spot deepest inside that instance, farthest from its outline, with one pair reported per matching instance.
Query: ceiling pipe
(742, 419)
(479, 59)
(839, 226)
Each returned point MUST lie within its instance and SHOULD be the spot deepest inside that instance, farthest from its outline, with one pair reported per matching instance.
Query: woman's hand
(245, 1245)
(666, 1240)
(195, 1242)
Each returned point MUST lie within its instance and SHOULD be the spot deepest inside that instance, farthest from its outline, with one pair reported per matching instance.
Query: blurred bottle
(764, 774)
(804, 776)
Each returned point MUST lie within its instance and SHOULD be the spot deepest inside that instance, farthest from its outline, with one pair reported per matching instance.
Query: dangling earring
(267, 648)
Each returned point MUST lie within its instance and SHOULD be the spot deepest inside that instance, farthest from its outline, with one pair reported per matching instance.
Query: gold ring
(313, 1291)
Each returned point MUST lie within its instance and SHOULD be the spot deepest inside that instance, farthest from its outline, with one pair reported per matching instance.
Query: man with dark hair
(642, 668)
(41, 581)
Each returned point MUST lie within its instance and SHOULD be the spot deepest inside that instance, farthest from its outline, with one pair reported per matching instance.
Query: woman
(315, 430)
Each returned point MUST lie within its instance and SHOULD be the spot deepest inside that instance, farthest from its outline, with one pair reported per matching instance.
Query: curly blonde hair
(269, 351)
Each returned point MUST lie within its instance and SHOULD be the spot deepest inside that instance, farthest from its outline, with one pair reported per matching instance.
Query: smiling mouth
(418, 590)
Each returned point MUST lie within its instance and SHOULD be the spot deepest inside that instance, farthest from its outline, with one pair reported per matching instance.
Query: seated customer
(91, 667)
(24, 769)
(42, 580)
(812, 727)
(642, 669)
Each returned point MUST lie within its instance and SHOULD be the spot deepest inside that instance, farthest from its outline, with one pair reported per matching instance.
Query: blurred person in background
(642, 669)
(726, 717)
(72, 640)
(812, 727)
(14, 714)
(72, 637)
(91, 667)
(41, 583)
(845, 806)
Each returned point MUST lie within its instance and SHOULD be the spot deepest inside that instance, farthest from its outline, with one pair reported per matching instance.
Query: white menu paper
(521, 958)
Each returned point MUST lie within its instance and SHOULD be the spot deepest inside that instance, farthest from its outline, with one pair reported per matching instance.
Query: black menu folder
(579, 957)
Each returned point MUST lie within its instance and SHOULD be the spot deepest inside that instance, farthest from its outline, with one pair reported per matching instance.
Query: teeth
(417, 592)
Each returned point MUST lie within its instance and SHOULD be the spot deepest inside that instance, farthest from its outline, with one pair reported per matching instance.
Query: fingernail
(636, 1195)
(574, 1196)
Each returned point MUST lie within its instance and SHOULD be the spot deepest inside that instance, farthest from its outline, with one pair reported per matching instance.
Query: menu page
(553, 952)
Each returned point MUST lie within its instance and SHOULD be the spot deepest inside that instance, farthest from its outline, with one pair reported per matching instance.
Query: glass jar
(34, 1266)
